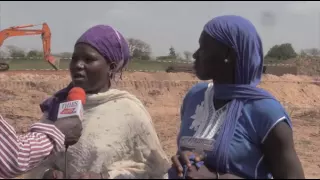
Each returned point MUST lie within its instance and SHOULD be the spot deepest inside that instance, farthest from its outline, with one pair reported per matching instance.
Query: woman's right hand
(183, 158)
(71, 128)
(52, 174)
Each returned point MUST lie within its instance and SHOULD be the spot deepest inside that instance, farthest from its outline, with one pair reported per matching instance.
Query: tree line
(141, 50)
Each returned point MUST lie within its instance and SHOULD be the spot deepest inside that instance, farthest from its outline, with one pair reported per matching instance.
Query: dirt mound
(306, 65)
(162, 94)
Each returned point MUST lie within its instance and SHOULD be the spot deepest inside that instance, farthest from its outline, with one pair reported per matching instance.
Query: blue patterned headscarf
(239, 34)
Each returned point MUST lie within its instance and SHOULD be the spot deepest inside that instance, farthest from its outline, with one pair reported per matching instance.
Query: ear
(112, 66)
(231, 55)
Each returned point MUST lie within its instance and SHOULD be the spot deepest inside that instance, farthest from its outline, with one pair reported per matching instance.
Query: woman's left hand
(202, 173)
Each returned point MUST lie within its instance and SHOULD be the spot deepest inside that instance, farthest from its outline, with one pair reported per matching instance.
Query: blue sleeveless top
(200, 124)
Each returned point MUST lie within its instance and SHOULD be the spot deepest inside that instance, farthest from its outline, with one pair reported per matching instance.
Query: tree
(178, 56)
(281, 52)
(303, 53)
(3, 54)
(312, 52)
(139, 49)
(187, 55)
(15, 51)
(34, 53)
(172, 52)
(65, 55)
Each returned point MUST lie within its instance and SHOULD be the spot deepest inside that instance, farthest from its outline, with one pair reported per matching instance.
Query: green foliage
(139, 49)
(15, 51)
(172, 52)
(281, 52)
(34, 53)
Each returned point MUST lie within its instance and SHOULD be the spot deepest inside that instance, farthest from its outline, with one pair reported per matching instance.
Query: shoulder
(196, 90)
(264, 115)
(131, 107)
(266, 108)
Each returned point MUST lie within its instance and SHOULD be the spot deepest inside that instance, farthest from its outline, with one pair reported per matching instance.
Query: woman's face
(210, 59)
(89, 69)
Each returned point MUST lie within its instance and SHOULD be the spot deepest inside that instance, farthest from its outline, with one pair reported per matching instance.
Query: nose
(78, 64)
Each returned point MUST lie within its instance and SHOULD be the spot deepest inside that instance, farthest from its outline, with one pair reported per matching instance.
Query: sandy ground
(162, 93)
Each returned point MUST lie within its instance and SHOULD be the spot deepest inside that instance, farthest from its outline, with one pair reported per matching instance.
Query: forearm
(19, 154)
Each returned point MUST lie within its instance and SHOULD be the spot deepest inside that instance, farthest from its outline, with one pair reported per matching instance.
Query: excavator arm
(45, 35)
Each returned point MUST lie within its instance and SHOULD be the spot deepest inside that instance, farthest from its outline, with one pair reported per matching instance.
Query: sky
(163, 23)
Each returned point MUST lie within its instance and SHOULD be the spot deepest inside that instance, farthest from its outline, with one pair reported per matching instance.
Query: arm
(280, 153)
(19, 154)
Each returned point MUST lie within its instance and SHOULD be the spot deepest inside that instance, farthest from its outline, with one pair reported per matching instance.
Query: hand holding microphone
(70, 116)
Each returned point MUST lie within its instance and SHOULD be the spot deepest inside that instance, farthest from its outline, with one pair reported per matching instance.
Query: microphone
(73, 108)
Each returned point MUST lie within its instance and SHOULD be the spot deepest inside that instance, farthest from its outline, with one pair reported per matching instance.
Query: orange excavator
(21, 31)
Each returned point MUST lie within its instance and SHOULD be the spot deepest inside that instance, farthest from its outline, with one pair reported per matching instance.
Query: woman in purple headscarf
(118, 138)
(230, 128)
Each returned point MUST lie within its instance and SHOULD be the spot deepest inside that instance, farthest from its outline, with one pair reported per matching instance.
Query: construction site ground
(162, 94)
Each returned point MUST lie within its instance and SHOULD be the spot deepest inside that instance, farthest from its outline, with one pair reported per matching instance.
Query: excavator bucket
(53, 62)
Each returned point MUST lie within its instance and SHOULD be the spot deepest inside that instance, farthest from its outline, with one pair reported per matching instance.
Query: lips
(78, 76)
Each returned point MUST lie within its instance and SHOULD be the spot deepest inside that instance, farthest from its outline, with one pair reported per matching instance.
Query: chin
(79, 84)
(202, 76)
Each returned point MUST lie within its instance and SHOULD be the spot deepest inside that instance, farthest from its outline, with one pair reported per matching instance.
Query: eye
(74, 58)
(89, 59)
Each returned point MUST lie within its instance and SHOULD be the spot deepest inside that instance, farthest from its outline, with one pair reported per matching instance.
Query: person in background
(231, 128)
(118, 139)
(20, 153)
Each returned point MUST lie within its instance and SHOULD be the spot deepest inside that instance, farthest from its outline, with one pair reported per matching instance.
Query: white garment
(118, 138)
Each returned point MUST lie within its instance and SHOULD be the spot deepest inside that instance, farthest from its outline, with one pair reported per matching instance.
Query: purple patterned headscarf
(110, 44)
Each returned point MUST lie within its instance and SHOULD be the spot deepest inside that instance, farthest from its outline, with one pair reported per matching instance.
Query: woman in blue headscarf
(231, 128)
(118, 138)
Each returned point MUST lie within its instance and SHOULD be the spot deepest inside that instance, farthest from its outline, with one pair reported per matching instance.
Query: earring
(110, 75)
(226, 60)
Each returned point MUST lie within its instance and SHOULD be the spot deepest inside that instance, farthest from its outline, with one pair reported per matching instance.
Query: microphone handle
(65, 162)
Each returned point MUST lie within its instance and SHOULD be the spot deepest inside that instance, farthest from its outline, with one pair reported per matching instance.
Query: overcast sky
(162, 24)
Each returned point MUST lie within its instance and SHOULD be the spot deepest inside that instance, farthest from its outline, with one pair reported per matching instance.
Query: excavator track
(4, 67)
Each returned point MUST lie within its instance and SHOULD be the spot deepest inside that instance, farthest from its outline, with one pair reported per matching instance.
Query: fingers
(73, 135)
(185, 157)
(53, 174)
(177, 165)
(57, 174)
(190, 174)
(199, 157)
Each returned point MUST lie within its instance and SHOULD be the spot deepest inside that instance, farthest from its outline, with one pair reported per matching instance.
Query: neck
(105, 88)
(225, 78)
(219, 103)
(224, 81)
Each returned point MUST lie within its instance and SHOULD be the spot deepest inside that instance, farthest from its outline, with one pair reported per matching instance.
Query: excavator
(22, 31)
